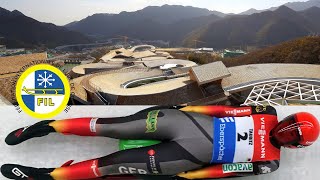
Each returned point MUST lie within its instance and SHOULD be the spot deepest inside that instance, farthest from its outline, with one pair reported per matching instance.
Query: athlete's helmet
(296, 131)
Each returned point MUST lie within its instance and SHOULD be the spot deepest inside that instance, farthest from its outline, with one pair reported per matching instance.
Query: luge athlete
(198, 142)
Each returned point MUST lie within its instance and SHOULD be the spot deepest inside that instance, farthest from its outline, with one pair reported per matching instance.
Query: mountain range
(297, 6)
(180, 25)
(22, 31)
(216, 29)
(170, 23)
(265, 28)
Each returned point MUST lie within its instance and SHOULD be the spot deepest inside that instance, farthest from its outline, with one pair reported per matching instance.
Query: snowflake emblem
(45, 80)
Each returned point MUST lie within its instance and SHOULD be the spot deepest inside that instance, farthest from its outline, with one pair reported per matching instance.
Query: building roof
(111, 83)
(209, 72)
(142, 47)
(157, 63)
(78, 90)
(135, 54)
(162, 53)
(122, 52)
(13, 64)
(153, 58)
(143, 54)
(254, 74)
(81, 68)
(108, 56)
(284, 93)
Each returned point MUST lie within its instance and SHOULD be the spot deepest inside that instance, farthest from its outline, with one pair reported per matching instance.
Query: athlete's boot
(18, 172)
(37, 130)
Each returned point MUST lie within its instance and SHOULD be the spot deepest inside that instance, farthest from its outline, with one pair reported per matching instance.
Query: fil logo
(227, 119)
(18, 173)
(94, 168)
(42, 91)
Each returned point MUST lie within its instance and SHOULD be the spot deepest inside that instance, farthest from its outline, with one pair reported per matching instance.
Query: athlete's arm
(232, 170)
(225, 111)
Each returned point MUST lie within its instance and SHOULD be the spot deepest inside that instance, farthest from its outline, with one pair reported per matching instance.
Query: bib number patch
(233, 139)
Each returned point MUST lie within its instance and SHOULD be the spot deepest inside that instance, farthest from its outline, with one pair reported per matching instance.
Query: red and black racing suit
(215, 141)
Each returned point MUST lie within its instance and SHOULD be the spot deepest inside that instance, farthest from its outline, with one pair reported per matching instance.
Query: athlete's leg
(191, 148)
(168, 158)
(165, 124)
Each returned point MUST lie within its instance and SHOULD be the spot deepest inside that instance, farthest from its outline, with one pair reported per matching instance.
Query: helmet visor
(288, 132)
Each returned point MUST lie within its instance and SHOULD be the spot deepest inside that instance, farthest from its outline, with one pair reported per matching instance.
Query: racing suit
(197, 142)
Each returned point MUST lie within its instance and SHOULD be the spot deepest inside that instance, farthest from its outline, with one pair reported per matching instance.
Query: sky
(61, 12)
